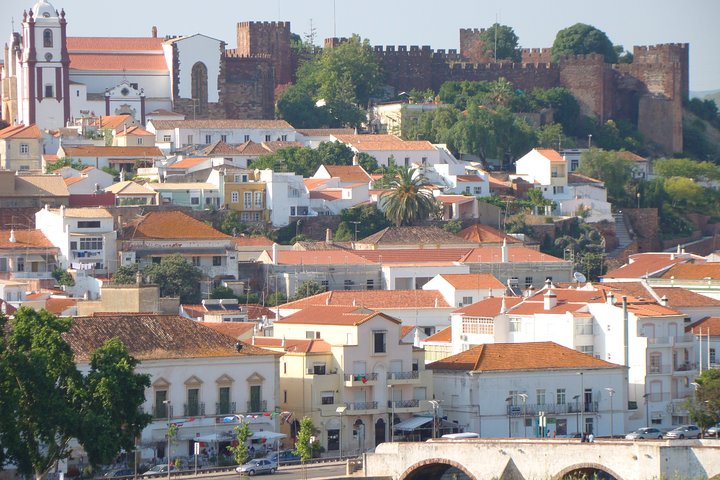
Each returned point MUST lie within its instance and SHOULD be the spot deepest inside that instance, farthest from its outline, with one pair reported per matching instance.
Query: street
(314, 471)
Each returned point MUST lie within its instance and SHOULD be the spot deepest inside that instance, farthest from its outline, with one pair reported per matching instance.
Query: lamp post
(392, 414)
(611, 392)
(524, 400)
(435, 404)
(589, 141)
(341, 410)
(646, 397)
(508, 400)
(638, 199)
(356, 223)
(577, 413)
(582, 397)
(167, 407)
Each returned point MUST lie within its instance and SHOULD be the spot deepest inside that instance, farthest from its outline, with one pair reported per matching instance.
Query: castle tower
(43, 77)
(267, 39)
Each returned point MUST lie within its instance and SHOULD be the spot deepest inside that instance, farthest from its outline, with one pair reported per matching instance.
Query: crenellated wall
(267, 38)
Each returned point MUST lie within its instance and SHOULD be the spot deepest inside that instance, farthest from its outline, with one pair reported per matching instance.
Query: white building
(86, 237)
(466, 289)
(286, 197)
(198, 378)
(86, 181)
(534, 390)
(387, 149)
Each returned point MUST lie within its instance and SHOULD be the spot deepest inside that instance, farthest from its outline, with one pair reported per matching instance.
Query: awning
(268, 435)
(412, 423)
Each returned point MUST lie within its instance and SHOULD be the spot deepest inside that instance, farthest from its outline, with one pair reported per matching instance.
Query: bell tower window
(47, 38)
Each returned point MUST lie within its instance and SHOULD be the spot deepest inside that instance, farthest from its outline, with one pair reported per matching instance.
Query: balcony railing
(658, 369)
(685, 367)
(161, 411)
(363, 405)
(532, 409)
(194, 409)
(413, 375)
(403, 403)
(672, 340)
(256, 407)
(358, 377)
(224, 408)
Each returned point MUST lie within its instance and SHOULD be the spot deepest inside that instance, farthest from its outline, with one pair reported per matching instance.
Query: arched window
(199, 87)
(47, 38)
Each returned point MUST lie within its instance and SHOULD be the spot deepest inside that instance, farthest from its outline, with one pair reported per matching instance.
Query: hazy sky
(410, 22)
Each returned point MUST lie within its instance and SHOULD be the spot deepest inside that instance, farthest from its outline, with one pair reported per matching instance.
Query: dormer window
(47, 38)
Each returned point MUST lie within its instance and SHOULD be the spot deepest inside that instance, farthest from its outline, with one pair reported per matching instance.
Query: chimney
(504, 251)
(282, 344)
(416, 338)
(664, 301)
(328, 236)
(530, 291)
(548, 283)
(274, 253)
(138, 278)
(12, 236)
(503, 306)
(549, 300)
(356, 159)
(62, 211)
(436, 302)
(154, 31)
(611, 298)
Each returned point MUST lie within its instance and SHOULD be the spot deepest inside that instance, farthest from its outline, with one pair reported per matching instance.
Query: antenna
(334, 30)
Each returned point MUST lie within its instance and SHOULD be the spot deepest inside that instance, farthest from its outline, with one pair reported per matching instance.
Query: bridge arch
(587, 470)
(434, 468)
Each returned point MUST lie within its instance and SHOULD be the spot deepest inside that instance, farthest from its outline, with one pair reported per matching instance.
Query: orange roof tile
(430, 235)
(334, 315)
(348, 173)
(469, 178)
(58, 305)
(170, 225)
(112, 121)
(294, 345)
(517, 254)
(71, 180)
(550, 154)
(694, 271)
(645, 264)
(455, 199)
(320, 257)
(489, 307)
(383, 142)
(705, 325)
(134, 130)
(114, 44)
(325, 132)
(24, 239)
(312, 183)
(443, 336)
(470, 281)
(253, 241)
(480, 233)
(682, 297)
(413, 255)
(21, 131)
(189, 162)
(630, 156)
(519, 356)
(236, 330)
(373, 299)
(117, 61)
(221, 123)
(122, 53)
(406, 329)
(112, 151)
(329, 194)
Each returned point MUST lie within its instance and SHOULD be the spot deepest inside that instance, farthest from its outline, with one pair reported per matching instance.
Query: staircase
(621, 233)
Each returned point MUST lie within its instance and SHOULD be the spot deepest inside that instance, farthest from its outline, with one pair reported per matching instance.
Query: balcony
(532, 409)
(161, 411)
(257, 407)
(671, 341)
(223, 408)
(403, 378)
(360, 408)
(87, 254)
(194, 409)
(404, 406)
(685, 368)
(361, 379)
(658, 369)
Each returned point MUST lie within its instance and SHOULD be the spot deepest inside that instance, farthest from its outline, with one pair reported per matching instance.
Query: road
(316, 471)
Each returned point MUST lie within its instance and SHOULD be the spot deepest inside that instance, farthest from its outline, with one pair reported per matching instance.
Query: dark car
(643, 433)
(684, 431)
(286, 456)
(118, 472)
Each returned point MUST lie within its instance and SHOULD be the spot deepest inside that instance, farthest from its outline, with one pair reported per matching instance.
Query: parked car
(713, 431)
(684, 431)
(643, 433)
(118, 472)
(160, 469)
(259, 465)
(286, 456)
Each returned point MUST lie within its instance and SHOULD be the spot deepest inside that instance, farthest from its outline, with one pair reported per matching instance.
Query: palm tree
(408, 201)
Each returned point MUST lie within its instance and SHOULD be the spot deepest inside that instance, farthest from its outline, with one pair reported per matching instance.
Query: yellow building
(349, 370)
(243, 194)
(21, 148)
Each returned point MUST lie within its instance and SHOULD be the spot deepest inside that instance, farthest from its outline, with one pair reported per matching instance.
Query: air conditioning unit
(310, 371)
(460, 304)
(463, 338)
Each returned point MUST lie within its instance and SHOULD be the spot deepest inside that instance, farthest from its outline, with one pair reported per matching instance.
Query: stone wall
(270, 39)
(645, 225)
(247, 87)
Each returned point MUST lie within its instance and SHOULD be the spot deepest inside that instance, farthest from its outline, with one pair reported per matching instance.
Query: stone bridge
(522, 459)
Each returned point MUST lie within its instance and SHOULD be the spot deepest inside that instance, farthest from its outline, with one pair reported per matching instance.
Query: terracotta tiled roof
(515, 255)
(294, 345)
(682, 297)
(325, 132)
(348, 173)
(413, 255)
(153, 337)
(254, 241)
(630, 156)
(88, 212)
(114, 44)
(443, 336)
(256, 312)
(128, 187)
(383, 142)
(38, 186)
(469, 178)
(550, 154)
(645, 264)
(576, 178)
(480, 233)
(469, 281)
(7, 308)
(489, 307)
(251, 148)
(134, 130)
(58, 305)
(117, 61)
(236, 330)
(221, 123)
(519, 356)
(172, 186)
(455, 199)
(189, 162)
(275, 145)
(651, 310)
(219, 148)
(21, 131)
(25, 239)
(333, 315)
(373, 299)
(406, 329)
(80, 151)
(703, 325)
(170, 225)
(71, 180)
(413, 236)
(338, 258)
(573, 295)
(112, 121)
(329, 194)
(693, 271)
(106, 53)
(312, 183)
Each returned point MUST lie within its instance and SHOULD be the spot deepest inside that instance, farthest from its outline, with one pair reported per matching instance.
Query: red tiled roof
(406, 329)
(253, 241)
(404, 236)
(550, 154)
(348, 173)
(114, 44)
(312, 183)
(443, 336)
(383, 142)
(329, 194)
(651, 310)
(337, 258)
(117, 61)
(480, 233)
(58, 305)
(71, 180)
(678, 297)
(334, 315)
(111, 151)
(122, 53)
(455, 199)
(252, 148)
(221, 123)
(373, 299)
(519, 356)
(413, 255)
(489, 307)
(25, 239)
(645, 264)
(515, 255)
(6, 307)
(134, 130)
(236, 330)
(21, 131)
(705, 325)
(294, 345)
(325, 132)
(694, 271)
(171, 225)
(189, 162)
(470, 281)
(469, 178)
(630, 156)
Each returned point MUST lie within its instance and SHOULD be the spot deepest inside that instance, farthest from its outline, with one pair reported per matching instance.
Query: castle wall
(247, 87)
(471, 47)
(536, 55)
(267, 38)
(660, 121)
(590, 79)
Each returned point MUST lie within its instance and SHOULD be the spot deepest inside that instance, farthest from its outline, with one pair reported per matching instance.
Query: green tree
(453, 226)
(409, 201)
(307, 289)
(240, 450)
(63, 277)
(221, 292)
(367, 162)
(505, 39)
(684, 191)
(276, 298)
(46, 402)
(685, 167)
(231, 224)
(550, 135)
(176, 277)
(582, 39)
(704, 407)
(303, 445)
(610, 167)
(64, 162)
(369, 220)
(126, 275)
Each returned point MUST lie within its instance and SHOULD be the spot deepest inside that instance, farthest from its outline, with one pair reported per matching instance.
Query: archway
(437, 469)
(359, 435)
(379, 431)
(587, 470)
(199, 87)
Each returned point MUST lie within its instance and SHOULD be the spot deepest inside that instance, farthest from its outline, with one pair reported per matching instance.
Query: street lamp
(646, 397)
(611, 392)
(524, 400)
(167, 407)
(392, 414)
(341, 410)
(589, 140)
(577, 413)
(435, 405)
(508, 400)
(582, 397)
(638, 199)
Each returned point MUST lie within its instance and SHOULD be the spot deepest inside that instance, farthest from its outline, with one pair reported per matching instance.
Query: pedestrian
(591, 438)
(583, 438)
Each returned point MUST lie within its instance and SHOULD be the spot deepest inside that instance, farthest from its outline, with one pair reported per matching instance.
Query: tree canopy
(583, 39)
(704, 408)
(305, 160)
(408, 202)
(610, 167)
(174, 275)
(505, 39)
(367, 218)
(46, 401)
(308, 288)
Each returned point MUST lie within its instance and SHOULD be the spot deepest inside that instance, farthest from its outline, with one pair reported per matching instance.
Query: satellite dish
(579, 277)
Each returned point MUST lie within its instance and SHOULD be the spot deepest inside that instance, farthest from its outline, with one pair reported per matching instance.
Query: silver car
(259, 465)
(714, 431)
(643, 433)
(684, 431)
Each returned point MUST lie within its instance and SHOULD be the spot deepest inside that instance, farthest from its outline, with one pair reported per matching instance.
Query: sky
(409, 22)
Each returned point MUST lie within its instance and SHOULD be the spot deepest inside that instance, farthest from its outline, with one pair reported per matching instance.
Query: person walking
(591, 438)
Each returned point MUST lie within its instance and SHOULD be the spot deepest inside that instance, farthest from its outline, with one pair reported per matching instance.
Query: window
(258, 199)
(423, 160)
(528, 282)
(467, 189)
(478, 325)
(223, 138)
(48, 91)
(3, 264)
(20, 264)
(189, 139)
(318, 369)
(91, 243)
(246, 138)
(589, 423)
(139, 141)
(255, 395)
(267, 138)
(208, 138)
(89, 224)
(324, 283)
(348, 284)
(24, 148)
(333, 440)
(370, 284)
(327, 397)
(224, 400)
(167, 138)
(311, 334)
(161, 408)
(256, 217)
(284, 396)
(406, 161)
(560, 396)
(156, 259)
(467, 300)
(558, 189)
(712, 356)
(247, 199)
(655, 362)
(217, 260)
(379, 341)
(574, 163)
(283, 138)
(196, 261)
(195, 201)
(540, 396)
(235, 197)
(47, 38)
(477, 190)
(193, 402)
(515, 325)
(584, 326)
(587, 349)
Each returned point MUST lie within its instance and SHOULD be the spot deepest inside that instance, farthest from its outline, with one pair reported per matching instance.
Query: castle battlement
(472, 31)
(264, 24)
(661, 47)
(233, 53)
(502, 67)
(583, 58)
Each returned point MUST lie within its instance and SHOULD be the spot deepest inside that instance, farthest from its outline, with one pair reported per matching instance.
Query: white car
(643, 433)
(161, 469)
(259, 465)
